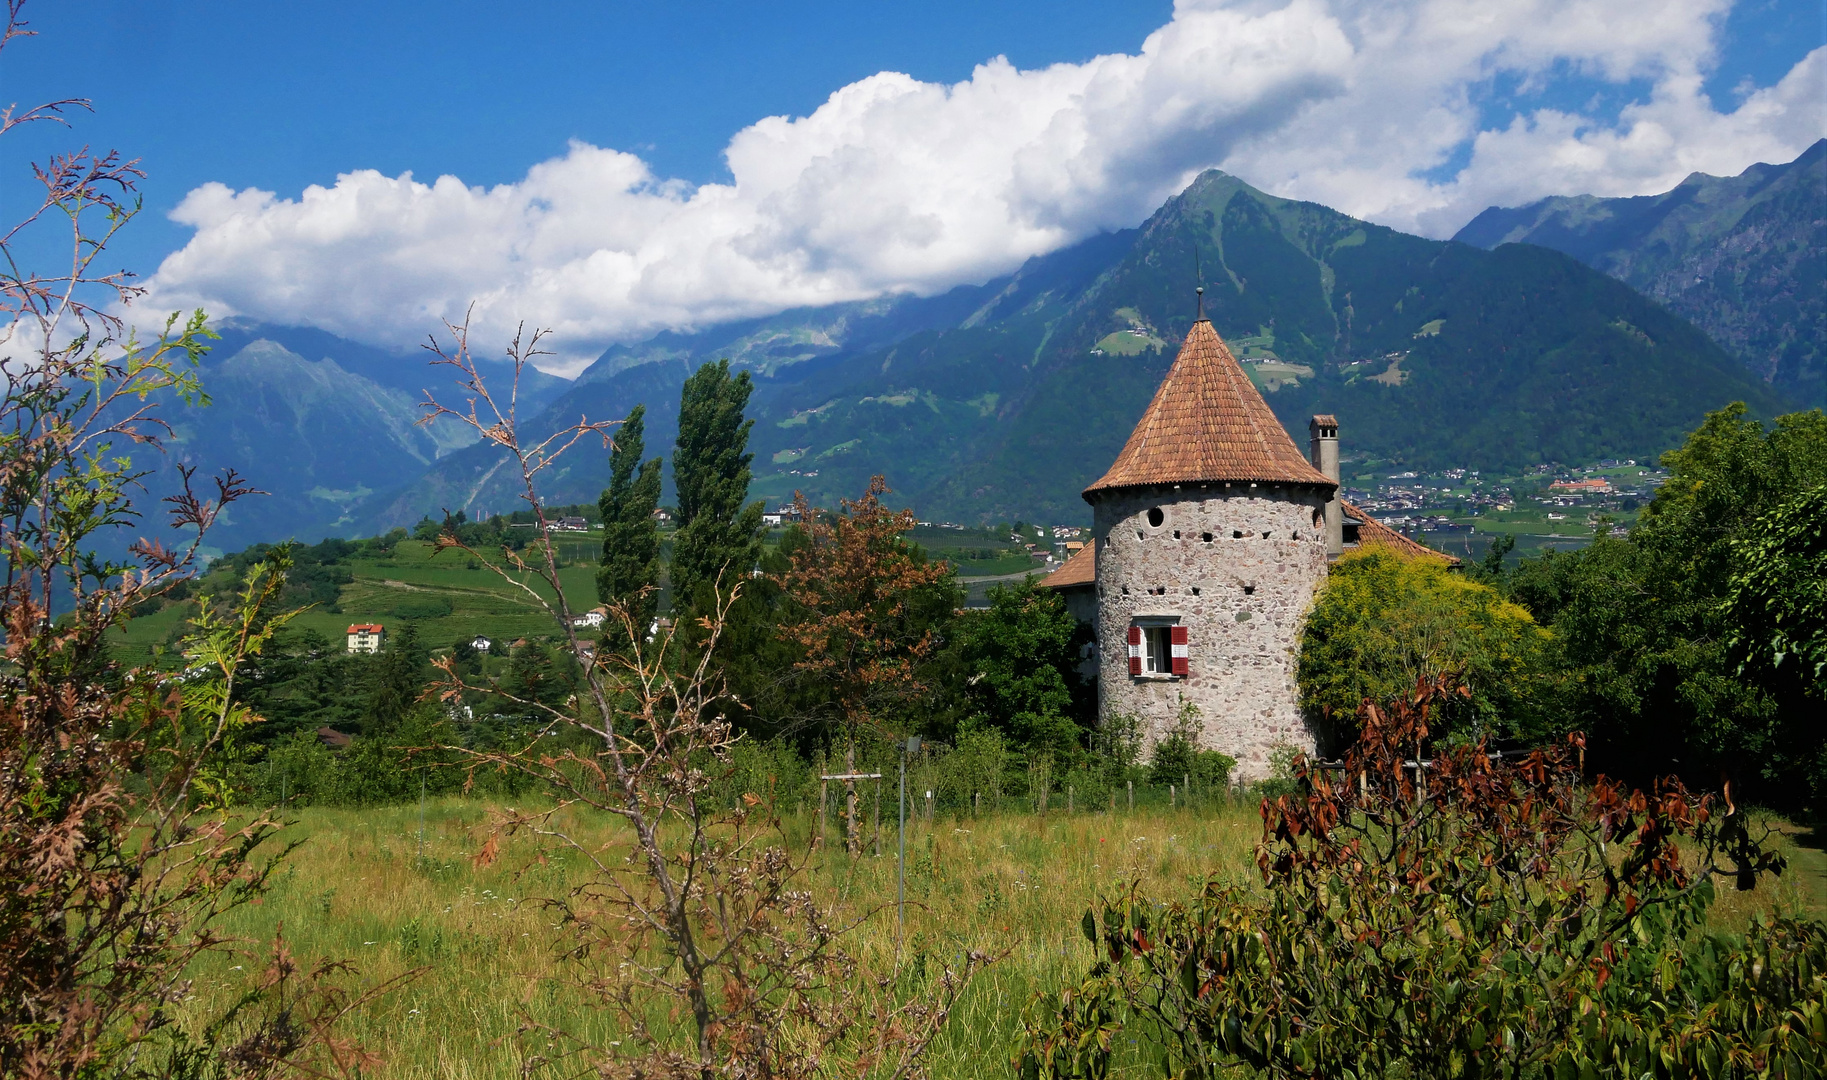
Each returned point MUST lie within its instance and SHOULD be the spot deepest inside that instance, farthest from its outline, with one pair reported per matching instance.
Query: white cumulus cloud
(899, 185)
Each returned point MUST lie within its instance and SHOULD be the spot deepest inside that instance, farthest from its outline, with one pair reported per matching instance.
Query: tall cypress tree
(398, 675)
(718, 534)
(631, 538)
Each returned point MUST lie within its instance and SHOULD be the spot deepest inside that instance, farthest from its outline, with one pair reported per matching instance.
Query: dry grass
(358, 888)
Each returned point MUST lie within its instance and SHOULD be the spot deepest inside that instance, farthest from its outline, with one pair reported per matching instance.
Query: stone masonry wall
(1243, 595)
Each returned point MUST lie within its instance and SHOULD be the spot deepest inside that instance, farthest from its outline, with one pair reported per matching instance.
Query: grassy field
(358, 889)
(479, 601)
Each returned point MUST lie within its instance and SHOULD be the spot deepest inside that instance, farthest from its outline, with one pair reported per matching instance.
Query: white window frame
(1157, 645)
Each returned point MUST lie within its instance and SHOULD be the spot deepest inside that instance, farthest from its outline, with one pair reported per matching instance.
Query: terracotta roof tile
(1374, 534)
(1080, 569)
(1207, 423)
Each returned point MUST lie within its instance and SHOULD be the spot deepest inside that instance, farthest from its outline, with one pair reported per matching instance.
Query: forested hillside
(1744, 257)
(1004, 401)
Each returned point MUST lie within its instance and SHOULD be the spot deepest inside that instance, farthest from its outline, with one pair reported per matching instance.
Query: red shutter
(1135, 650)
(1177, 639)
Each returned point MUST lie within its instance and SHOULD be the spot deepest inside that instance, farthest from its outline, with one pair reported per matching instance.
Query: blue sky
(599, 126)
(278, 96)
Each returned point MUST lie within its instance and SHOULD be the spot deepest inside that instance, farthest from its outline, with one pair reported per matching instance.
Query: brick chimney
(1323, 451)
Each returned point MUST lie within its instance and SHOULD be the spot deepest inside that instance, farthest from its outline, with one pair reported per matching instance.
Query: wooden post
(1132, 795)
(929, 806)
(1069, 793)
(875, 826)
(820, 842)
(975, 795)
(853, 805)
(1170, 796)
(1186, 785)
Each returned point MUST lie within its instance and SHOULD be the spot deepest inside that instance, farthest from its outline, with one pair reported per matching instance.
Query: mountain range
(1003, 400)
(1742, 257)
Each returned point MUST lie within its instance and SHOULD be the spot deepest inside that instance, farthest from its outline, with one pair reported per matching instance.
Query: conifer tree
(399, 677)
(630, 572)
(718, 534)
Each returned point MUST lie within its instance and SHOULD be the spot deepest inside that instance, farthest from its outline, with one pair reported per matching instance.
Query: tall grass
(361, 887)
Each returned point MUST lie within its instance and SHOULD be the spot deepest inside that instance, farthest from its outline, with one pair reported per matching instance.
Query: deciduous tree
(853, 589)
(1382, 621)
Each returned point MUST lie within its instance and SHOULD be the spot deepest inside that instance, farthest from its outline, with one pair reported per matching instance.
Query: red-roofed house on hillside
(1211, 533)
(367, 637)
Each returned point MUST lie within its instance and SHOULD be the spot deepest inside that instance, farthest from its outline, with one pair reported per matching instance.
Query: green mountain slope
(1743, 257)
(314, 436)
(1432, 353)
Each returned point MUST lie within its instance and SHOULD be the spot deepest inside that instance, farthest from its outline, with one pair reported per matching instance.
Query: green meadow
(487, 960)
(447, 595)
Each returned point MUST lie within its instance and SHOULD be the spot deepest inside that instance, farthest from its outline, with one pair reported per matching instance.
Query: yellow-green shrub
(1382, 622)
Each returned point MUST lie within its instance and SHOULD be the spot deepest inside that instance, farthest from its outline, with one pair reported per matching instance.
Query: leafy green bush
(1018, 658)
(1382, 622)
(1485, 918)
(978, 766)
(1177, 758)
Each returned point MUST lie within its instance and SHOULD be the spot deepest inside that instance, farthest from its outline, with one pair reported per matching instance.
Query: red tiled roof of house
(366, 628)
(1208, 423)
(1080, 569)
(1374, 534)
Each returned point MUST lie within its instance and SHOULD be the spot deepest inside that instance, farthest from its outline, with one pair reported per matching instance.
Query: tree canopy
(718, 534)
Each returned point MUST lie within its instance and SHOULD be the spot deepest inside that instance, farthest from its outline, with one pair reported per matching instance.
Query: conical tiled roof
(1208, 423)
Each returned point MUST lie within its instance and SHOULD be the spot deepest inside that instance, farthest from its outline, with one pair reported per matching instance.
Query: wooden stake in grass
(1132, 795)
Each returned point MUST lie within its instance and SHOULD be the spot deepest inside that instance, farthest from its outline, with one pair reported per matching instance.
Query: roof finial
(1199, 293)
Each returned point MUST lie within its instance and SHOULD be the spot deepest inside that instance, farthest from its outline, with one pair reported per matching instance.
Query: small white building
(481, 644)
(367, 637)
(593, 618)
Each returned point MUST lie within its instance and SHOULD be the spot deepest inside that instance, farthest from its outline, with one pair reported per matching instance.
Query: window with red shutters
(1157, 646)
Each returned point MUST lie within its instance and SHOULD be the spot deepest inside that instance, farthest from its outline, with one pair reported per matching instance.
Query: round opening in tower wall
(1155, 517)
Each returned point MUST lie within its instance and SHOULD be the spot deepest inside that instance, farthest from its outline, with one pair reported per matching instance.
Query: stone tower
(1211, 535)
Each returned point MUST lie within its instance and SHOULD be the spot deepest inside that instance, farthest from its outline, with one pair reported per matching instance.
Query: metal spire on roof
(1199, 274)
